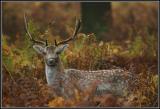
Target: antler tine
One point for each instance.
(31, 38)
(77, 27)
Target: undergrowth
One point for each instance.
(24, 82)
(85, 53)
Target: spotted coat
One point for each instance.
(115, 81)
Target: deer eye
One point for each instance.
(58, 52)
(56, 59)
(45, 53)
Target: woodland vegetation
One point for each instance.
(132, 44)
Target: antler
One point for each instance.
(77, 27)
(31, 38)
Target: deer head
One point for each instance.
(51, 52)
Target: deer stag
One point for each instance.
(115, 80)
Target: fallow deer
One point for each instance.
(115, 80)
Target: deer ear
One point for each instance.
(61, 48)
(39, 49)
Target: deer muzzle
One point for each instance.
(52, 61)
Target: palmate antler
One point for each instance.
(77, 27)
(31, 38)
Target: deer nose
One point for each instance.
(51, 60)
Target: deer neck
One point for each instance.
(52, 72)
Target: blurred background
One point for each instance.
(109, 21)
(113, 34)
